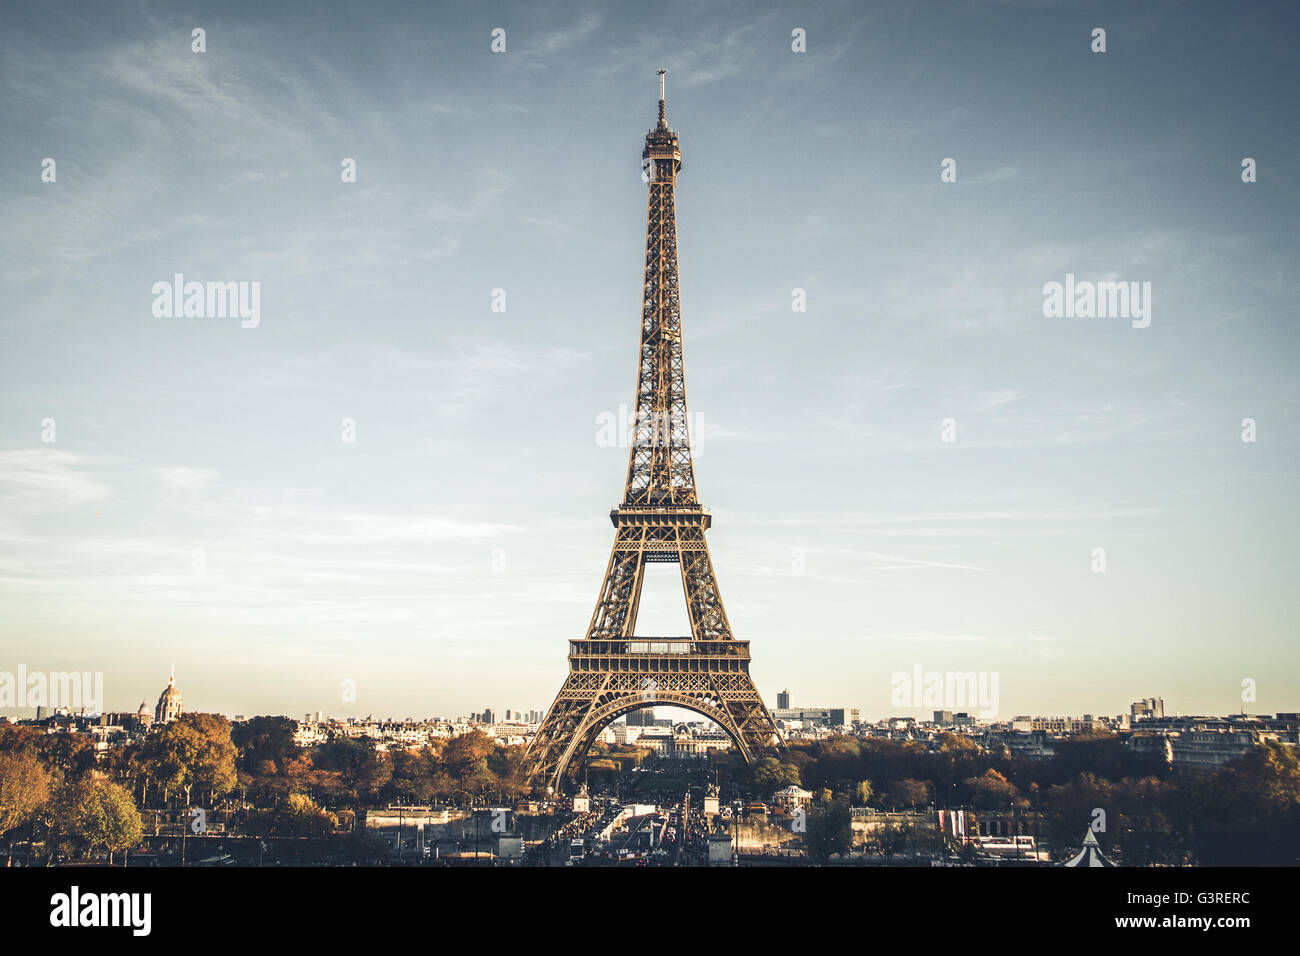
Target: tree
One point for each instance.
(862, 793)
(69, 754)
(301, 775)
(300, 816)
(771, 775)
(478, 780)
(463, 753)
(360, 771)
(1149, 831)
(213, 772)
(830, 829)
(95, 814)
(991, 791)
(836, 762)
(1268, 778)
(507, 764)
(194, 750)
(1070, 811)
(1248, 813)
(24, 790)
(414, 776)
(262, 739)
(890, 838)
(909, 792)
(909, 835)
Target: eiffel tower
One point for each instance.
(611, 672)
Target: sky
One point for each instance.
(914, 472)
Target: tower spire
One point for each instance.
(663, 105)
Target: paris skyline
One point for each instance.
(200, 504)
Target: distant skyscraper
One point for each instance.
(641, 718)
(1147, 707)
(783, 700)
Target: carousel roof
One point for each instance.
(1090, 855)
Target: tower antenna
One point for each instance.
(663, 112)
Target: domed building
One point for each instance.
(143, 716)
(169, 702)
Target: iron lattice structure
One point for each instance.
(611, 672)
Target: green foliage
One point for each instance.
(908, 837)
(92, 814)
(830, 829)
(771, 775)
(297, 816)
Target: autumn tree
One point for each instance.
(360, 771)
(1249, 811)
(193, 751)
(299, 815)
(24, 790)
(910, 793)
(466, 760)
(93, 814)
(991, 791)
(263, 747)
(69, 755)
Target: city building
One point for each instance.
(823, 716)
(642, 718)
(169, 702)
(1147, 707)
